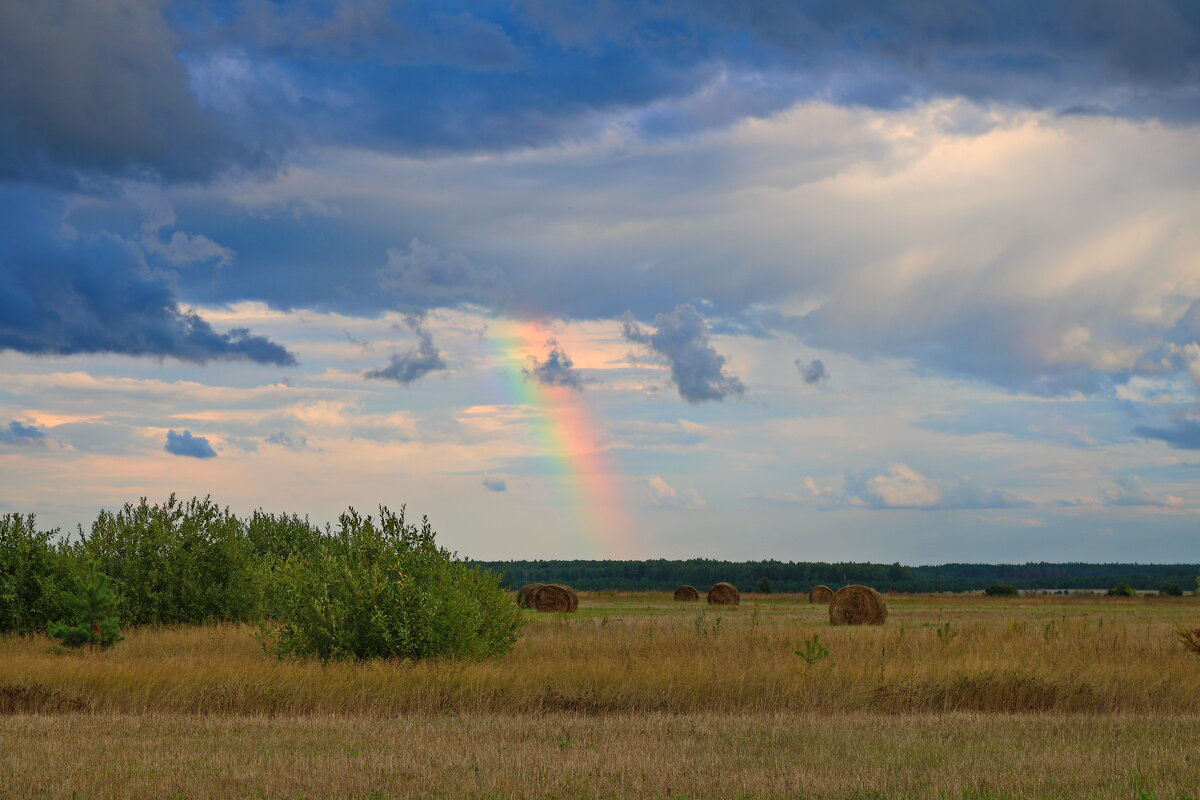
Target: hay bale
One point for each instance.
(524, 592)
(554, 597)
(820, 594)
(724, 594)
(857, 605)
(686, 594)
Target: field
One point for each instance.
(636, 696)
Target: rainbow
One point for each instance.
(564, 434)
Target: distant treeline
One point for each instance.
(790, 576)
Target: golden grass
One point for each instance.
(645, 653)
(613, 756)
(635, 696)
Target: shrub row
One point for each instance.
(367, 587)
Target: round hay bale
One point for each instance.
(857, 605)
(724, 594)
(524, 592)
(686, 594)
(554, 597)
(820, 594)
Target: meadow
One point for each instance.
(635, 696)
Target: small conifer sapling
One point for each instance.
(92, 621)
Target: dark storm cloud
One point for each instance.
(1181, 434)
(95, 85)
(681, 341)
(409, 367)
(812, 372)
(185, 444)
(122, 87)
(416, 78)
(18, 433)
(62, 292)
(557, 369)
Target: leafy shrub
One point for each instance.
(1121, 590)
(377, 590)
(90, 610)
(1170, 590)
(1001, 590)
(176, 562)
(764, 586)
(34, 569)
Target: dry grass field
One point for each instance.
(636, 696)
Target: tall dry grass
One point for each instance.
(774, 755)
(644, 654)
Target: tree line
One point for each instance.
(800, 576)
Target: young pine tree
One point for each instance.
(91, 614)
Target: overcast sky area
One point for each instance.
(908, 281)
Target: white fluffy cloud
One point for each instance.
(664, 494)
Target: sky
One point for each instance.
(910, 281)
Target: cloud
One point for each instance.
(417, 79)
(813, 372)
(19, 433)
(120, 87)
(990, 279)
(664, 495)
(1132, 491)
(284, 439)
(62, 292)
(183, 249)
(185, 444)
(95, 86)
(556, 370)
(1181, 434)
(422, 276)
(495, 484)
(900, 486)
(681, 340)
(415, 364)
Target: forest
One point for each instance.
(800, 576)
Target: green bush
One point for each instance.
(178, 562)
(1121, 590)
(34, 569)
(1170, 590)
(274, 538)
(379, 590)
(1001, 590)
